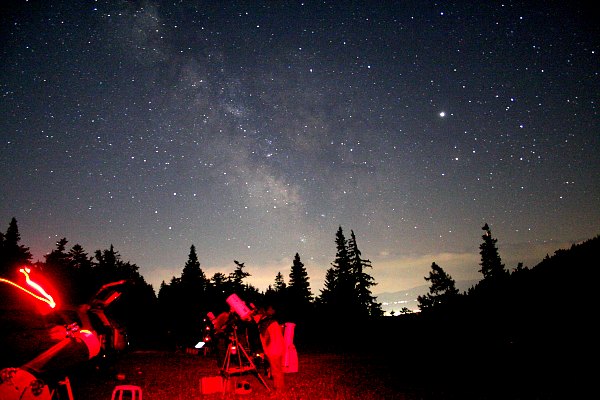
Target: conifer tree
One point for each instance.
(188, 299)
(79, 259)
(442, 290)
(164, 292)
(110, 267)
(81, 266)
(59, 257)
(216, 288)
(326, 298)
(218, 279)
(106, 266)
(219, 282)
(367, 303)
(277, 294)
(192, 275)
(13, 254)
(338, 297)
(169, 302)
(235, 284)
(491, 264)
(237, 276)
(57, 267)
(299, 287)
(280, 285)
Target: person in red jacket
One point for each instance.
(271, 338)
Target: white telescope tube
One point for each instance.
(239, 307)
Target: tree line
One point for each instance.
(177, 310)
(345, 304)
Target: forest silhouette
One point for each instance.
(509, 329)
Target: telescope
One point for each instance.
(239, 307)
(30, 380)
(41, 377)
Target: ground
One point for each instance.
(394, 364)
(177, 375)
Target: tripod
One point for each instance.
(238, 362)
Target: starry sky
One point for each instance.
(254, 129)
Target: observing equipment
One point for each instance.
(45, 377)
(290, 355)
(33, 379)
(237, 361)
(240, 308)
(207, 343)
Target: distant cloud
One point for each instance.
(401, 273)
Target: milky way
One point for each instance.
(253, 130)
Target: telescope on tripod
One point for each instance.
(237, 360)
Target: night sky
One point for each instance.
(253, 130)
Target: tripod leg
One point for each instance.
(225, 366)
(258, 375)
(224, 371)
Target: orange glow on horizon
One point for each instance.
(42, 296)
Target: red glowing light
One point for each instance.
(45, 297)
(41, 293)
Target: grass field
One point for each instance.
(177, 375)
(394, 364)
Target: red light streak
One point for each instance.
(42, 296)
(46, 297)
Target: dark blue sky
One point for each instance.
(254, 129)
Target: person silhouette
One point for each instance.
(271, 338)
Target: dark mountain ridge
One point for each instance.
(528, 334)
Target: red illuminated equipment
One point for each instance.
(238, 362)
(46, 375)
(290, 356)
(30, 381)
(76, 348)
(239, 307)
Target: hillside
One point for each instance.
(549, 282)
(517, 336)
(395, 301)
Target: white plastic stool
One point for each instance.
(127, 392)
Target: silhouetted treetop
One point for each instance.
(491, 263)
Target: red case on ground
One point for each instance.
(211, 384)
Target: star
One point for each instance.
(175, 125)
